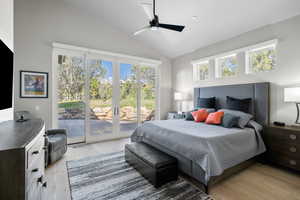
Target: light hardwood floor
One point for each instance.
(258, 182)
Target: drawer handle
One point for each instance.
(45, 184)
(293, 162)
(35, 152)
(293, 149)
(293, 137)
(35, 170)
(40, 179)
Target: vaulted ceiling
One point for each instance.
(215, 20)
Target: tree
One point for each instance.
(98, 86)
(263, 60)
(229, 66)
(94, 88)
(71, 78)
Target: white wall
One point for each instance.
(39, 23)
(6, 22)
(287, 72)
(6, 35)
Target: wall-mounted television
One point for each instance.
(6, 80)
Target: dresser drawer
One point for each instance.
(281, 159)
(287, 149)
(35, 192)
(35, 172)
(277, 135)
(36, 150)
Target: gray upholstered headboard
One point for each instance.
(259, 92)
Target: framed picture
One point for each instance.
(33, 84)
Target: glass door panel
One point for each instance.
(128, 113)
(101, 112)
(148, 91)
(97, 98)
(71, 96)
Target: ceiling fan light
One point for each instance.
(154, 28)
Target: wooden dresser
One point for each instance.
(283, 146)
(22, 160)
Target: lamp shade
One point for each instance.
(292, 94)
(178, 96)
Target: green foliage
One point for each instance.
(94, 88)
(72, 105)
(147, 75)
(72, 81)
(71, 78)
(263, 60)
(229, 66)
(203, 68)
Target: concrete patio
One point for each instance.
(75, 127)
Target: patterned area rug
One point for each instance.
(109, 177)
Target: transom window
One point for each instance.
(261, 59)
(226, 66)
(200, 71)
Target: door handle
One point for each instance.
(35, 152)
(114, 111)
(35, 170)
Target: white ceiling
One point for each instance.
(217, 19)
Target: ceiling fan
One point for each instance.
(154, 23)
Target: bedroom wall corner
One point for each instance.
(285, 74)
(166, 92)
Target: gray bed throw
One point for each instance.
(213, 148)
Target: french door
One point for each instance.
(100, 97)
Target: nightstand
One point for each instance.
(175, 115)
(283, 146)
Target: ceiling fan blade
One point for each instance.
(178, 28)
(148, 10)
(142, 30)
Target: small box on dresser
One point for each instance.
(283, 146)
(22, 160)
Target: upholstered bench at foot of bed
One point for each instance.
(157, 167)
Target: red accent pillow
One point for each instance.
(200, 115)
(215, 118)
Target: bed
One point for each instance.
(209, 153)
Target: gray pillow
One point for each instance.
(189, 116)
(209, 110)
(244, 117)
(230, 121)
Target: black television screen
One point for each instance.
(6, 80)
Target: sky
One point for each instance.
(125, 70)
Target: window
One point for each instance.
(148, 92)
(101, 95)
(261, 59)
(200, 71)
(251, 59)
(226, 66)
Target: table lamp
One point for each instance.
(178, 97)
(293, 95)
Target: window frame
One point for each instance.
(196, 70)
(259, 47)
(242, 60)
(218, 69)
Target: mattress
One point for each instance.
(213, 148)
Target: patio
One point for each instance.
(75, 127)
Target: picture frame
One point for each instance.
(33, 84)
